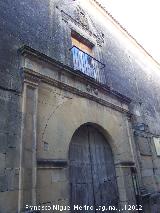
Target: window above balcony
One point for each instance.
(83, 60)
(82, 46)
(82, 43)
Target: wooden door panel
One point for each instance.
(80, 170)
(104, 177)
(92, 171)
(82, 194)
(80, 173)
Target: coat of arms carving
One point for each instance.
(81, 17)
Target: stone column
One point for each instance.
(127, 193)
(28, 159)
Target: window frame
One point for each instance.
(84, 43)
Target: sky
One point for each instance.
(141, 19)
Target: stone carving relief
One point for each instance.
(81, 20)
(91, 89)
(81, 17)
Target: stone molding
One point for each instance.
(51, 163)
(73, 90)
(28, 51)
(94, 90)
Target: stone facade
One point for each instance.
(60, 101)
(43, 101)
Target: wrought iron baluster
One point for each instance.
(88, 65)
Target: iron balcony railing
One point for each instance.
(88, 65)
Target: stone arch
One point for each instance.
(92, 174)
(73, 113)
(76, 112)
(104, 132)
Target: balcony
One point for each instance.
(88, 65)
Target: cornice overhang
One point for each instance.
(94, 91)
(28, 51)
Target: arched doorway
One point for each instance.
(92, 171)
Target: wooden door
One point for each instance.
(92, 171)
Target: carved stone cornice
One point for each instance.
(76, 91)
(31, 80)
(28, 51)
(91, 89)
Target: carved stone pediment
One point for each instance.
(84, 22)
